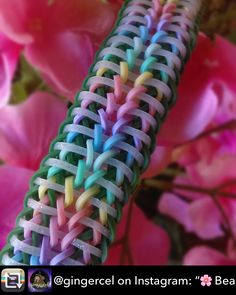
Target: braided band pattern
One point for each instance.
(76, 198)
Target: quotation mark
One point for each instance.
(205, 280)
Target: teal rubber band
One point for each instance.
(107, 57)
(90, 181)
(130, 58)
(147, 63)
(164, 77)
(53, 171)
(89, 158)
(110, 198)
(62, 155)
(101, 159)
(80, 174)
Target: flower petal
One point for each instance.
(206, 219)
(177, 209)
(186, 191)
(9, 54)
(14, 182)
(26, 21)
(26, 130)
(227, 103)
(149, 243)
(209, 175)
(64, 60)
(194, 110)
(198, 98)
(206, 256)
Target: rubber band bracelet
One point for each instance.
(76, 197)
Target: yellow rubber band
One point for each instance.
(124, 71)
(84, 197)
(69, 190)
(143, 78)
(101, 71)
(43, 189)
(103, 214)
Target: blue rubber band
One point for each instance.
(34, 260)
(97, 137)
(143, 33)
(18, 257)
(113, 140)
(71, 136)
(175, 50)
(158, 36)
(129, 160)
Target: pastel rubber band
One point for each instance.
(75, 199)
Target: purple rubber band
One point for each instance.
(44, 251)
(62, 256)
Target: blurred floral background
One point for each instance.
(184, 210)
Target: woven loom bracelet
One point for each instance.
(76, 197)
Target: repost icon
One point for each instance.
(13, 280)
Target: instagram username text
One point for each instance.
(135, 281)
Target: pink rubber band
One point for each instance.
(76, 217)
(69, 237)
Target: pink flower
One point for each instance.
(197, 212)
(206, 280)
(14, 182)
(26, 130)
(9, 54)
(199, 102)
(209, 164)
(146, 243)
(210, 161)
(203, 255)
(198, 99)
(60, 36)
